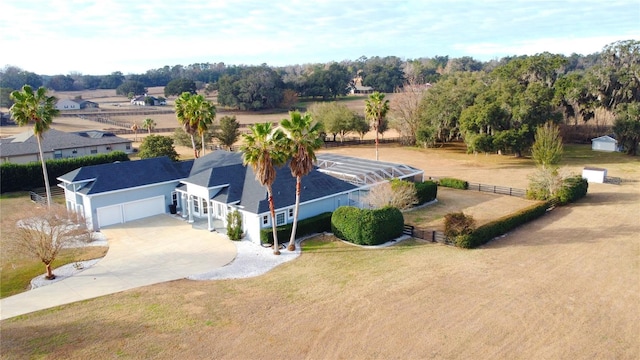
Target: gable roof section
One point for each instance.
(26, 143)
(606, 138)
(127, 174)
(223, 168)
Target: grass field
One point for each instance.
(566, 286)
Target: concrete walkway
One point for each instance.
(143, 252)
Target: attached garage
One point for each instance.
(129, 211)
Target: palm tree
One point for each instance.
(376, 108)
(36, 107)
(148, 124)
(205, 113)
(186, 118)
(304, 136)
(264, 149)
(135, 129)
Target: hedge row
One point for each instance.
(454, 183)
(17, 177)
(574, 188)
(485, 233)
(426, 191)
(316, 224)
(367, 227)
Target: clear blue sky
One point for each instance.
(133, 36)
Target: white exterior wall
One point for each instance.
(603, 145)
(67, 104)
(594, 175)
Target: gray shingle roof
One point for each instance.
(128, 174)
(221, 168)
(25, 143)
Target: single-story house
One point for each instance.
(145, 100)
(76, 104)
(360, 89)
(23, 148)
(605, 143)
(205, 190)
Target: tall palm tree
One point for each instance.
(186, 118)
(36, 107)
(304, 136)
(135, 129)
(376, 108)
(264, 149)
(205, 114)
(148, 124)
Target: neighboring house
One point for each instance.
(145, 100)
(68, 104)
(23, 148)
(359, 89)
(216, 184)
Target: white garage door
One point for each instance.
(109, 215)
(117, 214)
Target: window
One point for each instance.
(108, 147)
(196, 205)
(174, 198)
(75, 151)
(128, 147)
(57, 154)
(205, 206)
(265, 220)
(94, 150)
(280, 219)
(291, 213)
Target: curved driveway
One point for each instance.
(142, 252)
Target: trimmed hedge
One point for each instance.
(426, 191)
(315, 224)
(487, 232)
(574, 188)
(454, 183)
(367, 227)
(17, 177)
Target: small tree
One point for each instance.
(45, 232)
(234, 225)
(396, 193)
(135, 129)
(229, 131)
(547, 148)
(158, 145)
(457, 224)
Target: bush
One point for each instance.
(456, 224)
(487, 232)
(367, 227)
(426, 191)
(315, 224)
(234, 225)
(454, 183)
(574, 188)
(17, 177)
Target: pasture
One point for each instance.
(564, 286)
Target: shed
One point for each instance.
(605, 143)
(594, 175)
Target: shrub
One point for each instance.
(426, 191)
(456, 224)
(315, 224)
(574, 188)
(485, 233)
(367, 227)
(454, 183)
(234, 225)
(16, 177)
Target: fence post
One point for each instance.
(433, 236)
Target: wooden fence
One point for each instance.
(426, 234)
(502, 190)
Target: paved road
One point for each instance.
(143, 252)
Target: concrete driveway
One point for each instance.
(142, 252)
